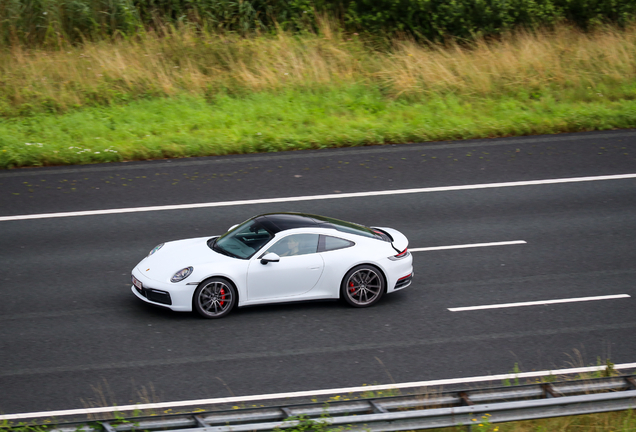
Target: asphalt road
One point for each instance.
(72, 335)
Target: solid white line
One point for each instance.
(539, 303)
(316, 197)
(345, 390)
(472, 245)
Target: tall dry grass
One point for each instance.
(185, 60)
(564, 57)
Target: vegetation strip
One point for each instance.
(57, 23)
(191, 93)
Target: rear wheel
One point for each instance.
(214, 298)
(363, 286)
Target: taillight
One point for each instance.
(401, 255)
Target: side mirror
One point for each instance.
(232, 227)
(269, 257)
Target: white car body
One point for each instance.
(308, 276)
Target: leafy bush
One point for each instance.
(55, 22)
(440, 19)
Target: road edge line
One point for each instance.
(273, 396)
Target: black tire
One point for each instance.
(363, 286)
(214, 298)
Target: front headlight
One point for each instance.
(156, 248)
(181, 274)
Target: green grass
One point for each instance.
(621, 421)
(188, 93)
(355, 115)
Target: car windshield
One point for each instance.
(243, 241)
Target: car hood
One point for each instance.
(176, 255)
(400, 242)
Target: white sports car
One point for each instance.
(273, 258)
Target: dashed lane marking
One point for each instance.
(471, 245)
(539, 303)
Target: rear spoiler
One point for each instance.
(398, 240)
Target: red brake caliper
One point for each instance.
(222, 296)
(351, 288)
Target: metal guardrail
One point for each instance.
(398, 413)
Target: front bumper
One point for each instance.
(177, 297)
(152, 294)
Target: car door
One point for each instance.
(297, 272)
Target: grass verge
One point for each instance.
(193, 93)
(621, 421)
(189, 125)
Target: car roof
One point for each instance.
(277, 222)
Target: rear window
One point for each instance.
(329, 243)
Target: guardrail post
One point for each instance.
(548, 391)
(465, 400)
(107, 427)
(200, 421)
(377, 408)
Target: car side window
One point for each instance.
(295, 244)
(329, 243)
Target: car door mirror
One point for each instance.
(232, 227)
(269, 257)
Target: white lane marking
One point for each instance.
(345, 390)
(316, 197)
(471, 245)
(539, 303)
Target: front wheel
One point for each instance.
(214, 298)
(363, 286)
